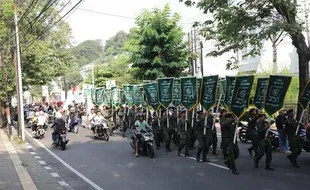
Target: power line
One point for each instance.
(51, 13)
(72, 9)
(32, 5)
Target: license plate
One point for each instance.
(63, 135)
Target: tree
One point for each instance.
(87, 51)
(73, 76)
(156, 45)
(238, 25)
(117, 69)
(44, 50)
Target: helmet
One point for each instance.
(69, 106)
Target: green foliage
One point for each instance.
(44, 50)
(156, 45)
(87, 51)
(118, 70)
(73, 76)
(115, 45)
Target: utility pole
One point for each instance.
(18, 73)
(201, 58)
(189, 53)
(307, 23)
(192, 53)
(195, 51)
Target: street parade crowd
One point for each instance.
(184, 126)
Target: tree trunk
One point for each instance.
(303, 52)
(274, 55)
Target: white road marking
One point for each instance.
(37, 157)
(33, 153)
(55, 174)
(42, 162)
(63, 183)
(94, 185)
(22, 173)
(29, 146)
(47, 168)
(209, 163)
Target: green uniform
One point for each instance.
(264, 144)
(214, 137)
(232, 148)
(168, 132)
(294, 140)
(157, 131)
(184, 140)
(131, 117)
(204, 139)
(224, 149)
(122, 121)
(191, 132)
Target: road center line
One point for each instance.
(94, 185)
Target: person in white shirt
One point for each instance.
(90, 116)
(98, 119)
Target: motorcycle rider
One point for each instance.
(73, 118)
(98, 119)
(59, 125)
(140, 126)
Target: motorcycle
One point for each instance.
(102, 131)
(61, 140)
(146, 146)
(305, 143)
(39, 132)
(242, 134)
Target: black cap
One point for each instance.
(261, 115)
(182, 111)
(222, 111)
(253, 109)
(199, 111)
(229, 115)
(290, 111)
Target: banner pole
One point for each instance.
(167, 114)
(125, 111)
(178, 114)
(205, 123)
(158, 118)
(300, 120)
(193, 117)
(186, 118)
(147, 114)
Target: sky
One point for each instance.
(93, 19)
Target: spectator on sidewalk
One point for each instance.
(280, 124)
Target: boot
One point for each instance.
(268, 167)
(296, 165)
(255, 163)
(204, 159)
(250, 151)
(289, 157)
(179, 152)
(227, 164)
(234, 170)
(198, 154)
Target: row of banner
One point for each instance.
(191, 91)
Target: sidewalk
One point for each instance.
(13, 175)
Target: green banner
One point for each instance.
(305, 96)
(165, 91)
(116, 97)
(107, 97)
(151, 92)
(137, 96)
(208, 92)
(189, 92)
(99, 96)
(93, 95)
(277, 88)
(122, 97)
(241, 95)
(229, 89)
(260, 93)
(129, 92)
(176, 93)
(199, 86)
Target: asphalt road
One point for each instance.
(96, 164)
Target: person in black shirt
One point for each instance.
(251, 131)
(280, 124)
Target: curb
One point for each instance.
(23, 175)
